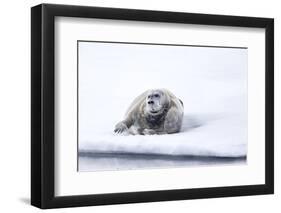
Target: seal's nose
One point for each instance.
(150, 102)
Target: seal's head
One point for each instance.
(156, 102)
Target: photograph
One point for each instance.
(138, 105)
(152, 106)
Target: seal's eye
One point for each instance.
(149, 96)
(156, 95)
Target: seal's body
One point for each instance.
(153, 112)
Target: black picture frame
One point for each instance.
(43, 101)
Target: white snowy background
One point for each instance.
(212, 83)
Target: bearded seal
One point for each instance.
(156, 111)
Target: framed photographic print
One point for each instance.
(140, 106)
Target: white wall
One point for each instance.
(15, 105)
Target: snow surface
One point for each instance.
(212, 83)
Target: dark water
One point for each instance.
(126, 161)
